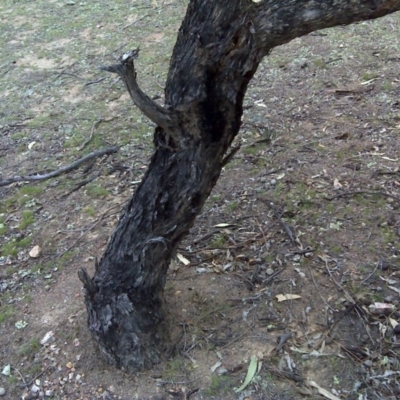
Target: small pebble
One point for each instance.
(368, 363)
(222, 371)
(2, 391)
(269, 271)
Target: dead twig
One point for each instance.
(287, 375)
(318, 291)
(26, 384)
(69, 74)
(22, 378)
(87, 141)
(340, 287)
(342, 314)
(370, 275)
(229, 157)
(134, 22)
(285, 226)
(283, 339)
(80, 184)
(235, 339)
(345, 194)
(262, 291)
(63, 70)
(94, 82)
(60, 171)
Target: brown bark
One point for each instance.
(219, 47)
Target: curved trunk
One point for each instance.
(208, 77)
(220, 44)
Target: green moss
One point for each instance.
(25, 242)
(31, 190)
(3, 228)
(368, 75)
(9, 248)
(173, 368)
(330, 207)
(12, 380)
(27, 219)
(320, 63)
(6, 312)
(216, 198)
(218, 241)
(232, 206)
(90, 211)
(220, 385)
(36, 268)
(39, 121)
(387, 85)
(251, 150)
(96, 191)
(30, 348)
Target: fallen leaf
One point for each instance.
(284, 297)
(280, 176)
(389, 281)
(183, 259)
(393, 322)
(21, 324)
(336, 184)
(396, 289)
(47, 337)
(368, 82)
(223, 225)
(323, 391)
(250, 374)
(390, 159)
(6, 370)
(215, 366)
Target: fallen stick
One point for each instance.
(60, 171)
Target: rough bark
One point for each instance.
(219, 47)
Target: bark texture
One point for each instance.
(219, 47)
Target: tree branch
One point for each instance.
(57, 172)
(159, 115)
(278, 21)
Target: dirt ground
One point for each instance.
(296, 247)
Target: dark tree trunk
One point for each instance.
(219, 47)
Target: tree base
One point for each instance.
(132, 335)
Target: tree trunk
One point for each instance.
(219, 47)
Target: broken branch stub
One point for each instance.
(162, 117)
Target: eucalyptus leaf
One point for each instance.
(250, 373)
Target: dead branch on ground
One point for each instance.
(60, 171)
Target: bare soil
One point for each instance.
(309, 208)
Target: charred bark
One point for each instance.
(219, 47)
